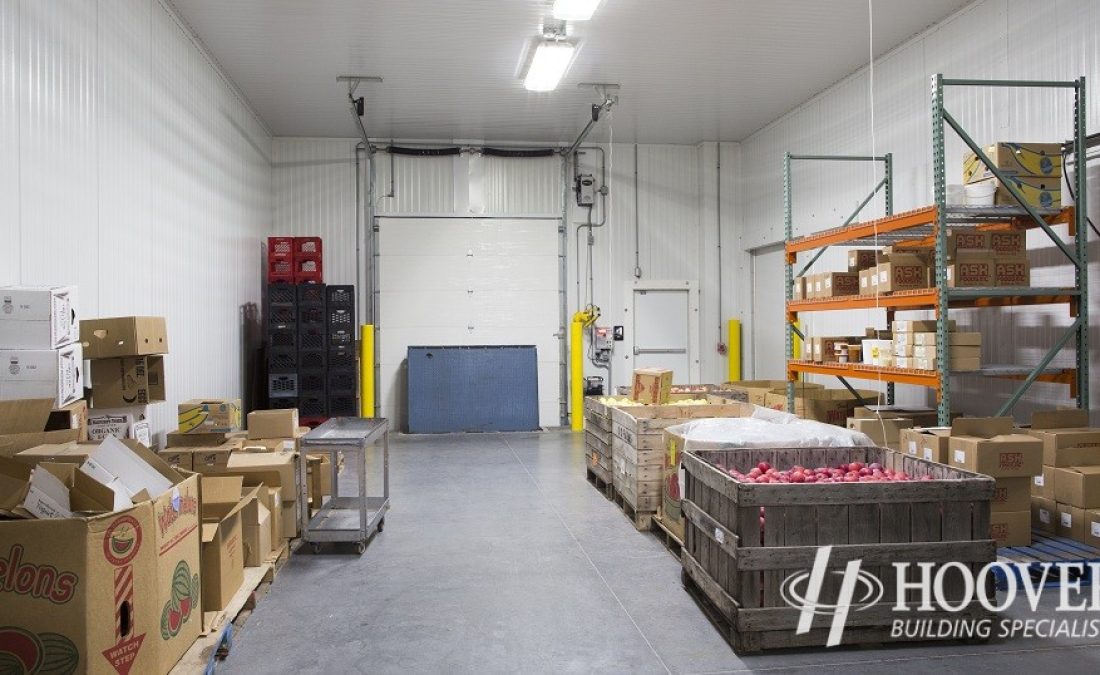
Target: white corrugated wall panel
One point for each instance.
(993, 39)
(522, 187)
(136, 172)
(420, 185)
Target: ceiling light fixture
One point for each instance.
(575, 10)
(548, 65)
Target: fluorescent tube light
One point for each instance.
(548, 65)
(575, 10)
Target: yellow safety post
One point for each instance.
(366, 370)
(733, 350)
(581, 320)
(796, 344)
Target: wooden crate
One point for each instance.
(637, 450)
(737, 562)
(598, 452)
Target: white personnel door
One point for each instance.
(662, 320)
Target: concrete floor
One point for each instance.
(498, 557)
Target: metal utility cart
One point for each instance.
(346, 519)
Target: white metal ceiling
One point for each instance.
(690, 70)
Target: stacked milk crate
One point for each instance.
(40, 351)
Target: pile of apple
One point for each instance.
(854, 472)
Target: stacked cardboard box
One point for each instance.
(127, 374)
(987, 259)
(915, 346)
(40, 351)
(1066, 495)
(110, 535)
(994, 447)
(652, 386)
(1035, 169)
(832, 406)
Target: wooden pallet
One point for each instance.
(673, 543)
(643, 521)
(1051, 552)
(604, 486)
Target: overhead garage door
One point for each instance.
(462, 281)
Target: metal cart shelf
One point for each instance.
(342, 518)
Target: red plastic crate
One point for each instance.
(280, 247)
(309, 268)
(280, 267)
(307, 246)
(312, 422)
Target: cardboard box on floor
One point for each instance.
(1078, 486)
(928, 443)
(42, 373)
(1092, 528)
(222, 539)
(121, 336)
(38, 317)
(255, 527)
(1067, 438)
(202, 459)
(272, 423)
(22, 425)
(73, 416)
(991, 445)
(1042, 484)
(147, 555)
(277, 470)
(211, 439)
(1011, 494)
(1044, 514)
(652, 386)
(884, 432)
(209, 415)
(121, 423)
(1010, 528)
(1070, 522)
(128, 381)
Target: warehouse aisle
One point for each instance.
(499, 557)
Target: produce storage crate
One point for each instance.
(311, 382)
(311, 359)
(343, 406)
(308, 269)
(282, 294)
(343, 381)
(312, 337)
(341, 296)
(282, 385)
(311, 315)
(311, 294)
(341, 337)
(312, 406)
(280, 269)
(282, 403)
(598, 451)
(282, 316)
(342, 358)
(744, 539)
(637, 451)
(282, 338)
(282, 360)
(307, 246)
(341, 318)
(280, 248)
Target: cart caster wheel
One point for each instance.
(316, 547)
(360, 547)
(381, 524)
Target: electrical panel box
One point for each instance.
(586, 190)
(602, 338)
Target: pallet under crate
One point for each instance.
(736, 557)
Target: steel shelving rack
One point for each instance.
(924, 227)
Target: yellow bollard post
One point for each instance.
(576, 372)
(733, 350)
(366, 370)
(796, 344)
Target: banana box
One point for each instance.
(1015, 159)
(210, 416)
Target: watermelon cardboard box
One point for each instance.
(98, 590)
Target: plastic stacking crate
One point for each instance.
(308, 269)
(311, 315)
(311, 294)
(312, 359)
(311, 382)
(343, 381)
(343, 406)
(342, 358)
(281, 270)
(341, 337)
(280, 248)
(282, 338)
(282, 294)
(282, 385)
(312, 337)
(341, 296)
(282, 316)
(282, 360)
(307, 246)
(312, 406)
(341, 318)
(282, 403)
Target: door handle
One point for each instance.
(643, 350)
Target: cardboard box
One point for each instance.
(272, 423)
(990, 445)
(38, 317)
(961, 242)
(196, 439)
(920, 416)
(120, 423)
(860, 259)
(121, 336)
(1042, 192)
(1013, 159)
(209, 415)
(1042, 484)
(1008, 243)
(1011, 272)
(883, 432)
(207, 460)
(1010, 528)
(652, 386)
(1011, 494)
(824, 348)
(22, 425)
(902, 273)
(1092, 528)
(1078, 486)
(42, 373)
(290, 518)
(755, 391)
(1070, 522)
(840, 284)
(147, 555)
(816, 286)
(868, 281)
(271, 499)
(832, 406)
(933, 444)
(971, 272)
(129, 381)
(903, 351)
(1044, 514)
(798, 290)
(60, 453)
(1067, 438)
(320, 477)
(273, 469)
(73, 416)
(956, 339)
(222, 540)
(255, 527)
(923, 326)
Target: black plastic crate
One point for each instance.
(343, 381)
(311, 315)
(312, 337)
(342, 358)
(311, 359)
(312, 406)
(279, 316)
(282, 360)
(341, 338)
(343, 406)
(282, 294)
(282, 385)
(311, 294)
(341, 318)
(341, 296)
(282, 338)
(311, 381)
(283, 403)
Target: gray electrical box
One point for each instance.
(586, 190)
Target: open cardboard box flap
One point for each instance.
(24, 416)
